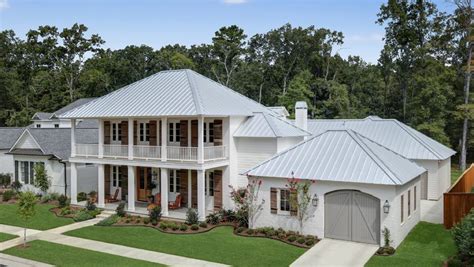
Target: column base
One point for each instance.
(101, 206)
(73, 202)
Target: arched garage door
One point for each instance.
(352, 215)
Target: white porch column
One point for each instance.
(164, 139)
(200, 139)
(190, 190)
(73, 137)
(201, 198)
(130, 139)
(131, 188)
(101, 187)
(164, 191)
(73, 183)
(101, 138)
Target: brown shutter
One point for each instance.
(293, 207)
(153, 134)
(218, 132)
(106, 132)
(194, 133)
(135, 132)
(183, 128)
(183, 181)
(107, 180)
(194, 188)
(124, 129)
(124, 178)
(273, 200)
(159, 133)
(217, 189)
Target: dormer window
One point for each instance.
(38, 125)
(56, 125)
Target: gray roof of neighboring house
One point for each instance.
(280, 110)
(169, 93)
(390, 133)
(268, 125)
(340, 155)
(8, 136)
(72, 106)
(42, 116)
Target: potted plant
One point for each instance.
(386, 250)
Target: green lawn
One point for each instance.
(5, 237)
(43, 220)
(61, 255)
(218, 245)
(426, 245)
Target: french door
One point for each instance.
(144, 176)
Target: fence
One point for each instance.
(459, 199)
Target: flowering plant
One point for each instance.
(247, 201)
(300, 198)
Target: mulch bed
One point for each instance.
(57, 212)
(316, 240)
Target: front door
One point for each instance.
(143, 183)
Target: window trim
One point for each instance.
(116, 132)
(402, 218)
(409, 203)
(26, 170)
(209, 184)
(116, 176)
(174, 181)
(414, 198)
(56, 125)
(279, 210)
(174, 132)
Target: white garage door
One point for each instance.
(352, 215)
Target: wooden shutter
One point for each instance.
(16, 171)
(153, 133)
(107, 179)
(217, 189)
(194, 188)
(194, 133)
(273, 200)
(124, 177)
(183, 128)
(183, 181)
(135, 133)
(124, 129)
(293, 208)
(218, 132)
(159, 133)
(106, 132)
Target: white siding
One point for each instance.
(286, 142)
(252, 151)
(26, 142)
(230, 175)
(445, 174)
(434, 188)
(401, 230)
(7, 164)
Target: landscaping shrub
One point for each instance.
(146, 220)
(227, 215)
(109, 221)
(82, 215)
(63, 201)
(183, 227)
(163, 226)
(281, 235)
(155, 215)
(240, 230)
(8, 194)
(463, 234)
(309, 242)
(66, 211)
(242, 218)
(194, 227)
(94, 212)
(120, 210)
(203, 225)
(192, 216)
(16, 185)
(301, 240)
(250, 231)
(174, 226)
(127, 221)
(213, 218)
(90, 205)
(82, 196)
(292, 238)
(138, 220)
(5, 179)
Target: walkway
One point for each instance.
(12, 261)
(56, 236)
(432, 211)
(330, 252)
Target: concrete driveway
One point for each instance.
(331, 252)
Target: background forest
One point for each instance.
(419, 79)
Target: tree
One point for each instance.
(300, 197)
(26, 209)
(247, 201)
(42, 179)
(299, 89)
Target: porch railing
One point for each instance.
(116, 151)
(215, 152)
(147, 152)
(87, 150)
(182, 153)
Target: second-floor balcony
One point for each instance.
(172, 153)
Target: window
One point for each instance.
(144, 132)
(56, 125)
(174, 132)
(209, 185)
(174, 181)
(208, 135)
(177, 132)
(116, 176)
(171, 132)
(409, 203)
(211, 132)
(204, 136)
(414, 198)
(401, 208)
(38, 125)
(27, 171)
(284, 200)
(116, 131)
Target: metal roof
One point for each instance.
(71, 106)
(390, 133)
(280, 110)
(8, 136)
(340, 155)
(169, 93)
(41, 116)
(268, 125)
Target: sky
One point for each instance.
(187, 22)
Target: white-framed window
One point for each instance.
(174, 181)
(283, 200)
(174, 132)
(401, 209)
(116, 131)
(27, 171)
(414, 198)
(144, 131)
(38, 125)
(209, 184)
(409, 203)
(208, 135)
(116, 176)
(56, 125)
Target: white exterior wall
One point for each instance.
(7, 164)
(315, 225)
(230, 175)
(252, 151)
(284, 143)
(400, 230)
(439, 176)
(445, 174)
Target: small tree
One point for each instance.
(42, 180)
(300, 198)
(247, 201)
(5, 179)
(26, 209)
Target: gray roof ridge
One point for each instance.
(288, 123)
(270, 124)
(194, 92)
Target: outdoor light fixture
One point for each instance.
(315, 200)
(386, 206)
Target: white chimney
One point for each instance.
(301, 115)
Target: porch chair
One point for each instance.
(176, 204)
(156, 203)
(113, 199)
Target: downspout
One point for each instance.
(65, 178)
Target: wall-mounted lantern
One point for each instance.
(386, 207)
(315, 200)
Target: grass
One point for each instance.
(455, 173)
(62, 255)
(43, 220)
(218, 245)
(426, 245)
(5, 237)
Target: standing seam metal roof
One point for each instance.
(268, 125)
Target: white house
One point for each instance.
(51, 120)
(8, 136)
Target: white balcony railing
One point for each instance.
(182, 153)
(215, 152)
(87, 150)
(147, 152)
(116, 151)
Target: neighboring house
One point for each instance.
(51, 120)
(8, 136)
